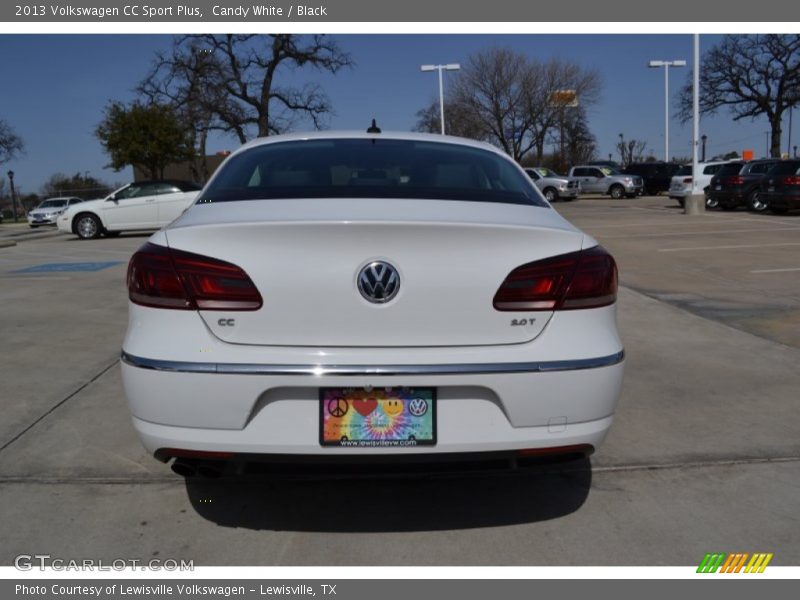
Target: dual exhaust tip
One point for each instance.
(193, 468)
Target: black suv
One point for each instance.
(780, 188)
(655, 175)
(738, 184)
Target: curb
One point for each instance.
(7, 243)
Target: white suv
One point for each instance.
(681, 185)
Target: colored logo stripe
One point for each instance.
(734, 562)
(758, 563)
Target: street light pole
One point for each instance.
(13, 194)
(655, 64)
(440, 68)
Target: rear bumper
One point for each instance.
(788, 201)
(188, 390)
(274, 409)
(728, 197)
(679, 194)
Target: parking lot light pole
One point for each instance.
(440, 68)
(695, 203)
(13, 195)
(657, 64)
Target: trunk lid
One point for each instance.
(305, 257)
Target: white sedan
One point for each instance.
(335, 296)
(137, 206)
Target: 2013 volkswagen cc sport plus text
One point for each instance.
(333, 296)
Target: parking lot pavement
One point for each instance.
(704, 453)
(736, 267)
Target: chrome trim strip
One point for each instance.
(383, 370)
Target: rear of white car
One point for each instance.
(346, 295)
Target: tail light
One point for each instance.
(687, 180)
(584, 279)
(793, 180)
(735, 180)
(167, 278)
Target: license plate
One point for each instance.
(771, 189)
(395, 417)
(719, 187)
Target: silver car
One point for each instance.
(552, 185)
(47, 212)
(607, 181)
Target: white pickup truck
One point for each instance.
(607, 181)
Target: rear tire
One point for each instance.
(753, 202)
(616, 192)
(33, 226)
(550, 194)
(87, 226)
(711, 203)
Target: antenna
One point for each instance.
(373, 128)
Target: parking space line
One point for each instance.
(727, 247)
(776, 270)
(651, 224)
(715, 232)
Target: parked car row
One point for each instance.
(583, 179)
(759, 185)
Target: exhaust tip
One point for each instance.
(184, 468)
(210, 470)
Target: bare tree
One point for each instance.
(245, 69)
(751, 75)
(554, 82)
(11, 145)
(577, 144)
(183, 79)
(508, 99)
(631, 151)
(458, 120)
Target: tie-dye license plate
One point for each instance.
(397, 417)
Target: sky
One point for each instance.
(53, 89)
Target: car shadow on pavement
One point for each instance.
(393, 504)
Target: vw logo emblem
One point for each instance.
(378, 282)
(418, 407)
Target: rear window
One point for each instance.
(730, 169)
(371, 168)
(758, 167)
(785, 168)
(684, 170)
